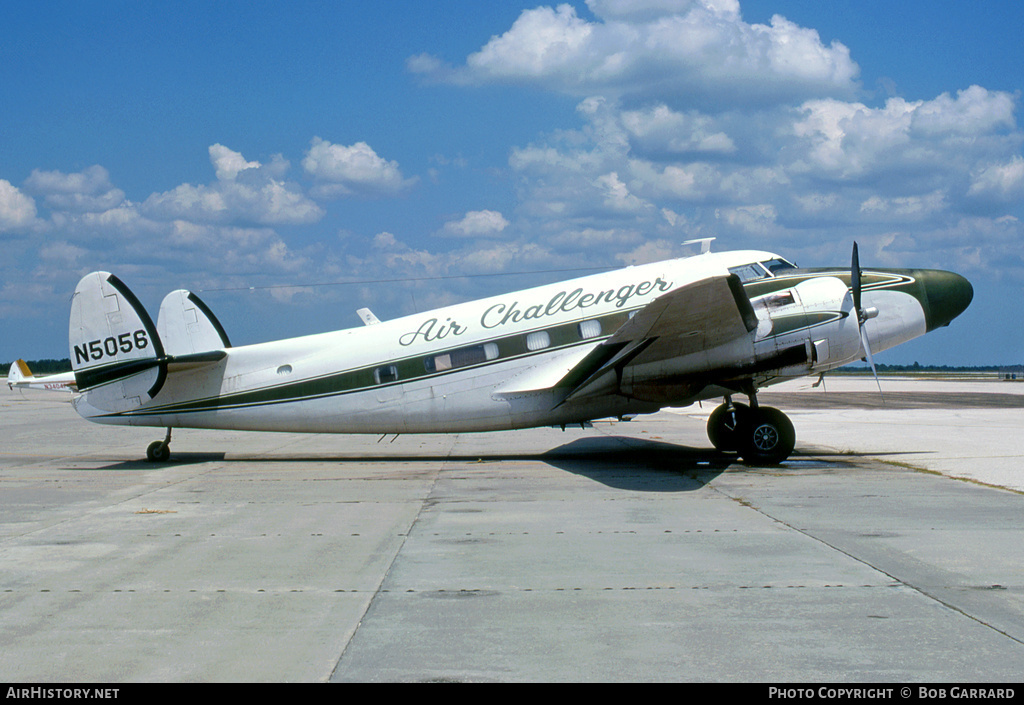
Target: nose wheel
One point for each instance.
(761, 435)
(160, 451)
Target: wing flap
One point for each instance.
(545, 376)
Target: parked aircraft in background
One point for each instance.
(21, 376)
(630, 341)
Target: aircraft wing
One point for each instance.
(695, 317)
(688, 320)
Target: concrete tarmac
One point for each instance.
(888, 548)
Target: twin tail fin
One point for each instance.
(119, 357)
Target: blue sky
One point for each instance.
(261, 153)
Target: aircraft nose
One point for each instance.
(946, 296)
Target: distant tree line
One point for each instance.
(918, 367)
(41, 367)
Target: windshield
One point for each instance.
(761, 270)
(777, 265)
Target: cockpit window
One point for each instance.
(777, 265)
(749, 272)
(761, 270)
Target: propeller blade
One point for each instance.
(862, 315)
(855, 281)
(871, 360)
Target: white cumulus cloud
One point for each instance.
(244, 191)
(650, 9)
(16, 209)
(485, 224)
(1002, 182)
(229, 163)
(87, 191)
(692, 51)
(357, 169)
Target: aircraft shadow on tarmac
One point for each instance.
(639, 464)
(619, 462)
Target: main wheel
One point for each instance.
(723, 426)
(767, 438)
(158, 452)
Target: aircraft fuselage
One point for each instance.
(522, 359)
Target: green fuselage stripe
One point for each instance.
(562, 337)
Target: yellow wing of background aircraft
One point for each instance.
(630, 341)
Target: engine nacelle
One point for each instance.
(816, 315)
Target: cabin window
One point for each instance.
(385, 374)
(589, 329)
(538, 340)
(462, 357)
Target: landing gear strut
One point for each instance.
(762, 435)
(160, 451)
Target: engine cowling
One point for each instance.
(815, 314)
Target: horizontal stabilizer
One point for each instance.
(177, 363)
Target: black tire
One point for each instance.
(723, 430)
(158, 452)
(768, 438)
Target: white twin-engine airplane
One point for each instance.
(625, 342)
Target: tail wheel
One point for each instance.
(768, 437)
(724, 426)
(158, 452)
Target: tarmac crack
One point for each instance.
(927, 574)
(379, 589)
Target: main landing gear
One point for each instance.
(761, 435)
(160, 451)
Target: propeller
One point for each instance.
(863, 314)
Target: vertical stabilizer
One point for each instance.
(186, 325)
(116, 353)
(19, 372)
